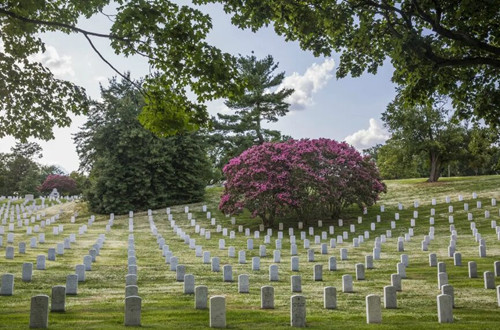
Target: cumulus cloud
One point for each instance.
(59, 65)
(306, 85)
(366, 138)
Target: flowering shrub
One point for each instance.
(64, 184)
(299, 178)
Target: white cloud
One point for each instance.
(366, 138)
(59, 65)
(314, 79)
(101, 79)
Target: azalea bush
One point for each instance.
(65, 185)
(299, 178)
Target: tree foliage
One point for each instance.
(81, 181)
(425, 128)
(20, 174)
(395, 162)
(64, 184)
(447, 46)
(483, 150)
(171, 37)
(129, 167)
(304, 178)
(260, 102)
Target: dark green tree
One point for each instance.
(428, 129)
(20, 173)
(259, 103)
(482, 147)
(129, 167)
(448, 46)
(81, 181)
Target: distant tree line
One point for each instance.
(21, 174)
(428, 141)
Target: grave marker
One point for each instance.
(489, 280)
(7, 286)
(72, 284)
(445, 309)
(40, 262)
(39, 312)
(273, 273)
(27, 272)
(243, 283)
(188, 283)
(390, 297)
(200, 297)
(298, 311)
(330, 297)
(133, 311)
(373, 309)
(347, 283)
(267, 297)
(296, 283)
(58, 301)
(80, 272)
(217, 312)
(227, 271)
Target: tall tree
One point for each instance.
(257, 103)
(129, 167)
(448, 46)
(169, 36)
(425, 128)
(261, 102)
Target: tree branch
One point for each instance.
(86, 34)
(139, 88)
(458, 36)
(457, 62)
(62, 25)
(384, 9)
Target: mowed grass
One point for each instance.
(100, 300)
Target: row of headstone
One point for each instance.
(243, 281)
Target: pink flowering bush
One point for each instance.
(299, 178)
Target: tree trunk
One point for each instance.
(267, 221)
(435, 167)
(258, 129)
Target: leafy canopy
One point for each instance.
(130, 168)
(20, 174)
(446, 46)
(171, 37)
(425, 128)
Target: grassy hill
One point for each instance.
(100, 302)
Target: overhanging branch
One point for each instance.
(139, 88)
(63, 26)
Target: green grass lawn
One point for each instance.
(100, 300)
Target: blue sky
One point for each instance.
(347, 109)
